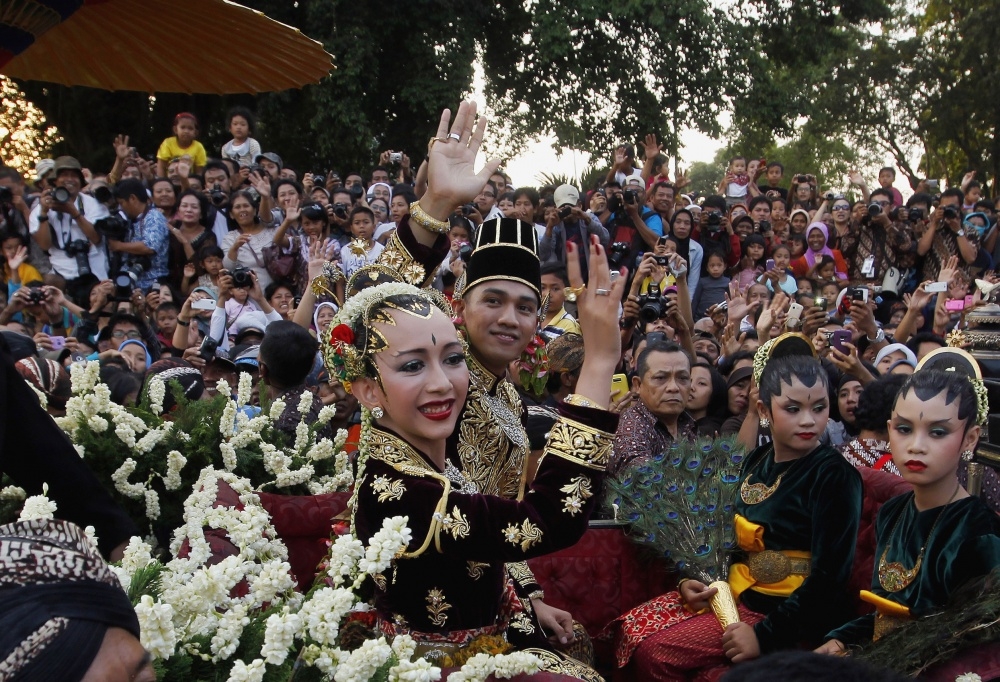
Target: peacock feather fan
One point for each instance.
(681, 503)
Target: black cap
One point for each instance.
(506, 249)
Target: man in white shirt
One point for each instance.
(66, 229)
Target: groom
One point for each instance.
(499, 310)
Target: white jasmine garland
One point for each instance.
(38, 506)
(12, 493)
(969, 677)
(392, 538)
(120, 479)
(481, 666)
(364, 661)
(241, 672)
(280, 632)
(152, 504)
(227, 422)
(277, 408)
(222, 388)
(327, 413)
(156, 627)
(43, 399)
(157, 392)
(244, 389)
(91, 534)
(420, 670)
(228, 456)
(305, 402)
(226, 639)
(98, 424)
(301, 436)
(149, 441)
(175, 462)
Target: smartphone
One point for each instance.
(839, 339)
(614, 274)
(954, 305)
(936, 287)
(204, 304)
(859, 294)
(662, 240)
(794, 311)
(820, 303)
(619, 386)
(58, 342)
(769, 265)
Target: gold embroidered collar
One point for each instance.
(480, 376)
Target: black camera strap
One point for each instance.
(65, 231)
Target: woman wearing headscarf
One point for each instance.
(681, 224)
(817, 236)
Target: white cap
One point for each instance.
(566, 194)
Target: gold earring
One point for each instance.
(967, 456)
(765, 422)
(378, 412)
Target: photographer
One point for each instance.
(339, 210)
(62, 223)
(140, 249)
(882, 240)
(568, 223)
(945, 236)
(239, 277)
(662, 203)
(715, 230)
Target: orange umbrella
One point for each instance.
(190, 46)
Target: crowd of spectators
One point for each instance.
(194, 256)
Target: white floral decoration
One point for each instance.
(157, 392)
(38, 506)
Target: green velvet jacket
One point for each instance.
(965, 545)
(816, 508)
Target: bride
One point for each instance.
(397, 348)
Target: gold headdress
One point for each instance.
(789, 343)
(367, 304)
(949, 359)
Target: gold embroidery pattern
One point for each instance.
(492, 443)
(400, 620)
(475, 569)
(521, 573)
(456, 523)
(527, 535)
(554, 663)
(580, 444)
(388, 489)
(577, 492)
(396, 256)
(522, 623)
(436, 606)
(379, 581)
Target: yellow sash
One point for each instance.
(884, 606)
(750, 538)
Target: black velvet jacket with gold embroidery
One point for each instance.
(452, 577)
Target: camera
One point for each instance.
(112, 227)
(60, 195)
(714, 221)
(257, 168)
(465, 252)
(631, 196)
(662, 261)
(615, 203)
(242, 278)
(319, 180)
(950, 212)
(356, 190)
(127, 280)
(340, 210)
(801, 178)
(915, 214)
(79, 249)
(830, 196)
(874, 209)
(468, 209)
(208, 348)
(36, 296)
(617, 254)
(652, 306)
(395, 157)
(6, 195)
(217, 196)
(565, 212)
(765, 225)
(103, 194)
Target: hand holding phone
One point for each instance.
(936, 287)
(840, 338)
(619, 386)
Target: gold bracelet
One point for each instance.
(429, 223)
(581, 401)
(537, 594)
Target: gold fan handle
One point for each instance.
(724, 605)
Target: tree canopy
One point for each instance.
(843, 79)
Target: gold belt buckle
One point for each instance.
(769, 566)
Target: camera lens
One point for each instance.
(60, 195)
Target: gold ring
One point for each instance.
(573, 292)
(430, 143)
